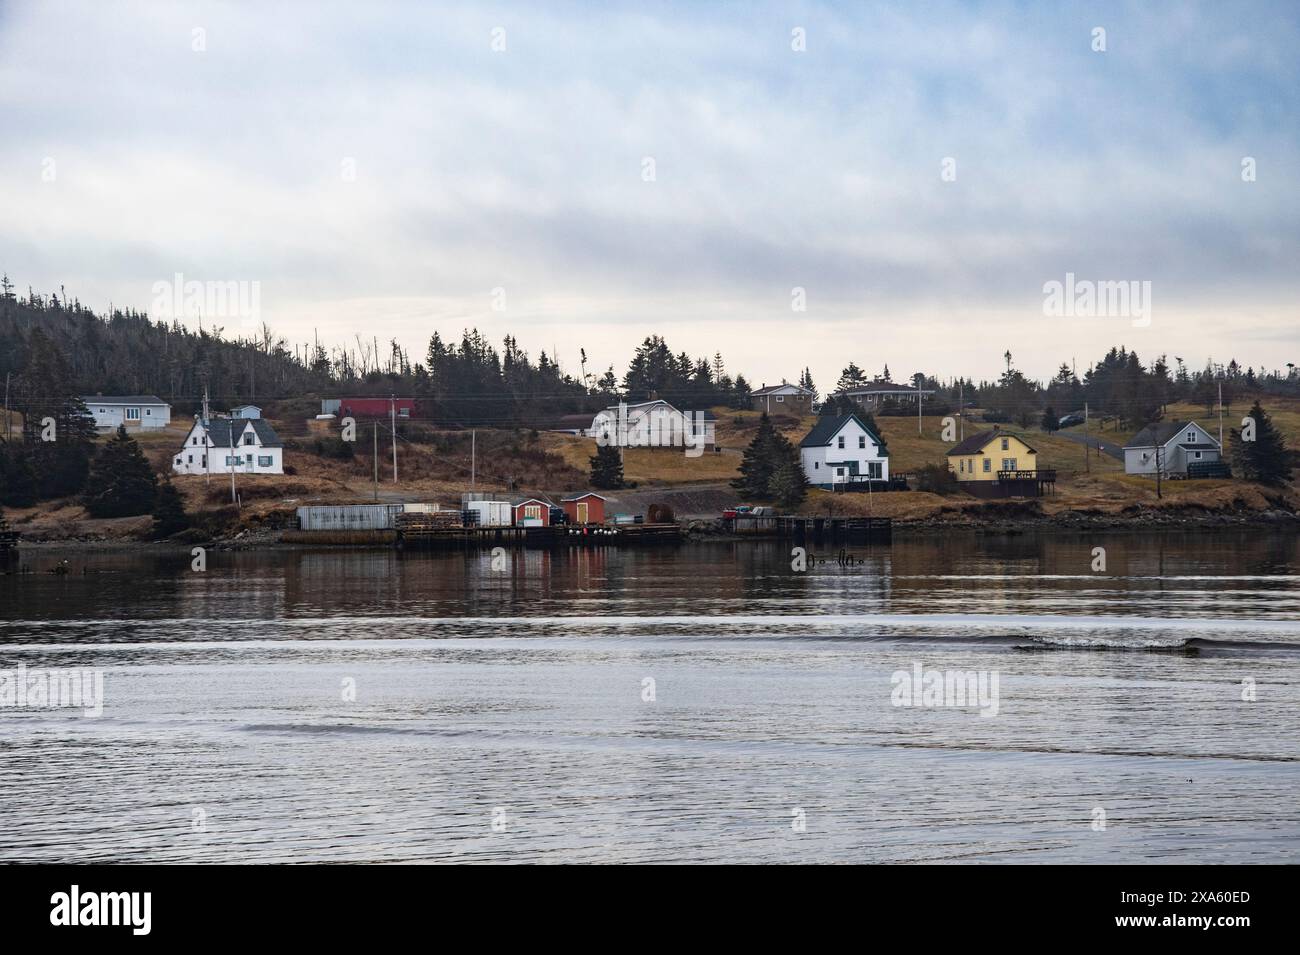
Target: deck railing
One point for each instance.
(1047, 475)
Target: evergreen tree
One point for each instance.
(607, 468)
(121, 483)
(766, 454)
(756, 464)
(850, 377)
(44, 394)
(18, 483)
(740, 393)
(168, 510)
(789, 485)
(1051, 420)
(1264, 459)
(806, 381)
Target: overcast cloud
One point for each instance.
(523, 169)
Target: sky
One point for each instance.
(792, 185)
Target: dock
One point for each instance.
(849, 530)
(419, 531)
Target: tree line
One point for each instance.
(460, 383)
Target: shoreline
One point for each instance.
(707, 532)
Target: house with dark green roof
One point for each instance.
(841, 451)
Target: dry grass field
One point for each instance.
(519, 462)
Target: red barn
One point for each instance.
(585, 508)
(529, 512)
(376, 407)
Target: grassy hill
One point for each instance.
(434, 465)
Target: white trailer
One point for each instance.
(492, 513)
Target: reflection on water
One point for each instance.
(371, 705)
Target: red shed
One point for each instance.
(528, 512)
(376, 407)
(586, 508)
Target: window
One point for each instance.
(873, 470)
(194, 440)
(841, 440)
(839, 472)
(147, 412)
(132, 414)
(862, 441)
(204, 460)
(189, 459)
(403, 412)
(532, 510)
(816, 465)
(231, 461)
(178, 461)
(248, 437)
(263, 462)
(1006, 444)
(780, 397)
(1191, 435)
(1008, 464)
(1198, 455)
(101, 411)
(988, 465)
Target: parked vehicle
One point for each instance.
(1070, 420)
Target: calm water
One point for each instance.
(518, 696)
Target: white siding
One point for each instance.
(146, 416)
(821, 463)
(247, 458)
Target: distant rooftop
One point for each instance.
(122, 400)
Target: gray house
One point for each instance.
(143, 412)
(1175, 446)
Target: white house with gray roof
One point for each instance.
(222, 445)
(1174, 445)
(143, 412)
(841, 451)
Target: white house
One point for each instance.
(1174, 444)
(840, 451)
(222, 445)
(144, 412)
(246, 411)
(652, 424)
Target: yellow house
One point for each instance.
(981, 456)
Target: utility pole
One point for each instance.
(918, 414)
(7, 438)
(374, 457)
(1158, 494)
(473, 457)
(961, 408)
(207, 449)
(1087, 458)
(234, 498)
(392, 414)
(1220, 414)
